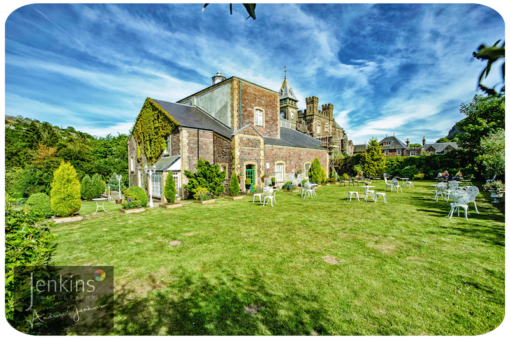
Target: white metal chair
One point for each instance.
(387, 184)
(473, 192)
(269, 194)
(353, 193)
(381, 194)
(452, 186)
(441, 190)
(396, 185)
(409, 183)
(460, 199)
(259, 195)
(309, 191)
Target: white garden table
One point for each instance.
(99, 204)
(366, 192)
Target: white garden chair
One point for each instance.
(452, 186)
(396, 185)
(460, 199)
(259, 195)
(441, 190)
(269, 194)
(309, 191)
(473, 192)
(387, 184)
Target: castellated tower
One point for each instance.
(312, 106)
(327, 110)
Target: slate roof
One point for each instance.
(440, 146)
(293, 138)
(165, 162)
(191, 116)
(286, 91)
(395, 143)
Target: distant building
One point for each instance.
(394, 147)
(359, 149)
(440, 147)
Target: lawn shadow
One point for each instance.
(231, 305)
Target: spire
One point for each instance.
(286, 91)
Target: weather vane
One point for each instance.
(285, 70)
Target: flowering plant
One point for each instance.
(290, 187)
(497, 186)
(256, 189)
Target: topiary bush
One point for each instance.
(234, 186)
(140, 194)
(324, 174)
(170, 191)
(86, 190)
(65, 191)
(40, 202)
(315, 172)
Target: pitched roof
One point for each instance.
(395, 143)
(286, 91)
(440, 146)
(293, 138)
(164, 163)
(194, 117)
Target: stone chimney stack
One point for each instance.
(423, 142)
(407, 142)
(217, 78)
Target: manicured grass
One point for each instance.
(89, 207)
(403, 267)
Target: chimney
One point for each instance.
(407, 142)
(217, 78)
(423, 142)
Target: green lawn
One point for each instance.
(403, 267)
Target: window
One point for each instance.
(307, 168)
(413, 153)
(399, 152)
(140, 178)
(168, 144)
(319, 127)
(176, 179)
(224, 168)
(279, 171)
(156, 185)
(259, 117)
(386, 153)
(132, 164)
(326, 127)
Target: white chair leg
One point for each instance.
(474, 202)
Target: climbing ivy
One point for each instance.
(152, 126)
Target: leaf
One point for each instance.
(203, 8)
(250, 8)
(231, 9)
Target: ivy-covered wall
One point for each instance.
(151, 128)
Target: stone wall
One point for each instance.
(253, 97)
(175, 142)
(223, 155)
(294, 159)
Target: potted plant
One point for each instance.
(266, 175)
(273, 182)
(299, 172)
(247, 183)
(497, 189)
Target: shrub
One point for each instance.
(315, 172)
(409, 172)
(357, 170)
(256, 189)
(130, 200)
(140, 194)
(346, 176)
(65, 191)
(332, 180)
(170, 191)
(419, 176)
(290, 187)
(234, 186)
(114, 183)
(202, 193)
(207, 176)
(273, 181)
(40, 202)
(324, 174)
(373, 160)
(98, 186)
(247, 181)
(28, 243)
(86, 189)
(303, 182)
(287, 184)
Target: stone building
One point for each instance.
(319, 124)
(234, 123)
(394, 147)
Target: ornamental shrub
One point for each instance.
(98, 186)
(373, 160)
(247, 181)
(65, 191)
(140, 194)
(40, 202)
(86, 190)
(346, 176)
(208, 176)
(28, 243)
(170, 191)
(234, 185)
(324, 174)
(287, 184)
(409, 172)
(315, 172)
(419, 176)
(201, 194)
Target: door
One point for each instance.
(250, 173)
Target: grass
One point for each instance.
(89, 207)
(403, 267)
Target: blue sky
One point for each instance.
(387, 69)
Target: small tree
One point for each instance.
(86, 189)
(492, 155)
(98, 186)
(324, 174)
(170, 191)
(207, 176)
(373, 160)
(315, 172)
(234, 185)
(65, 191)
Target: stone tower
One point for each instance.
(288, 104)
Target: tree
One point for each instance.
(65, 191)
(234, 185)
(170, 191)
(98, 186)
(86, 189)
(491, 54)
(208, 176)
(373, 160)
(250, 8)
(492, 155)
(483, 116)
(415, 145)
(324, 174)
(315, 172)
